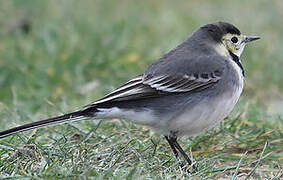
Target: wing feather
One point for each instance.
(160, 79)
(148, 86)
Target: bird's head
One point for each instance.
(227, 37)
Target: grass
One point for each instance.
(76, 51)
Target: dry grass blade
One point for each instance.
(258, 162)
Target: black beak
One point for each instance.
(250, 38)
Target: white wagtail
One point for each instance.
(189, 89)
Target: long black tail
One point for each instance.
(74, 116)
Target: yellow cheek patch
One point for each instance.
(233, 49)
(229, 44)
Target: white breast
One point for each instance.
(209, 112)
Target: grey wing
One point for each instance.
(150, 85)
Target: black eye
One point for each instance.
(234, 39)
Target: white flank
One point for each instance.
(145, 117)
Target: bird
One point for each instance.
(191, 88)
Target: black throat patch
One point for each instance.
(237, 61)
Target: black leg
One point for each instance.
(172, 147)
(182, 152)
(172, 139)
(171, 143)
